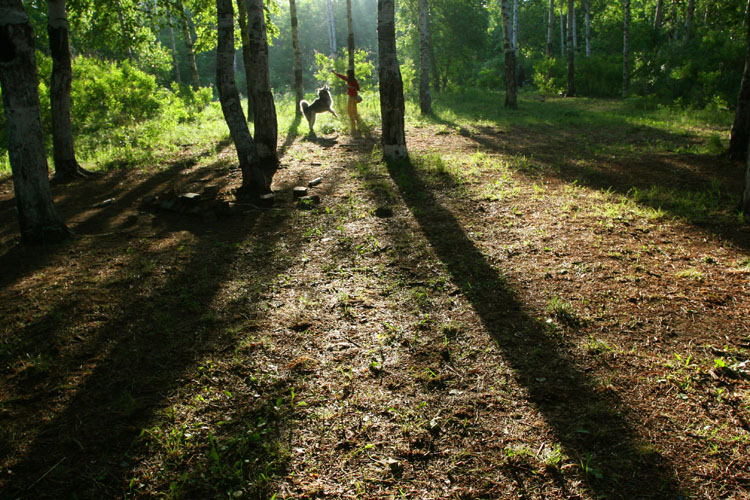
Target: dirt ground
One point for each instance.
(493, 319)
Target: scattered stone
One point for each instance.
(210, 192)
(299, 192)
(308, 202)
(315, 182)
(384, 212)
(104, 203)
(189, 198)
(266, 200)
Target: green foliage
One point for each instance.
(363, 69)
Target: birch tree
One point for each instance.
(253, 180)
(391, 85)
(514, 38)
(562, 28)
(740, 137)
(625, 48)
(511, 84)
(550, 27)
(246, 57)
(37, 215)
(264, 108)
(189, 44)
(571, 92)
(425, 99)
(331, 28)
(175, 64)
(587, 19)
(297, 57)
(63, 152)
(349, 36)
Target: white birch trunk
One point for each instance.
(511, 84)
(550, 27)
(425, 99)
(189, 45)
(297, 57)
(253, 180)
(264, 108)
(175, 64)
(38, 219)
(626, 49)
(515, 25)
(587, 5)
(571, 92)
(349, 35)
(391, 85)
(562, 28)
(331, 28)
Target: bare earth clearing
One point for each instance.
(494, 320)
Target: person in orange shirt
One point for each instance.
(352, 90)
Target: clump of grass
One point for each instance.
(563, 311)
(691, 273)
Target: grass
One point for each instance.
(518, 288)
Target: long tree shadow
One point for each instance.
(616, 461)
(90, 404)
(694, 188)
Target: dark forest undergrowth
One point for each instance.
(530, 308)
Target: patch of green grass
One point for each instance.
(563, 311)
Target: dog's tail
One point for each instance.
(304, 106)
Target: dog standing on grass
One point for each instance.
(321, 104)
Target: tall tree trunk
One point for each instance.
(511, 84)
(264, 109)
(689, 20)
(425, 99)
(391, 85)
(575, 30)
(253, 180)
(740, 137)
(66, 166)
(37, 216)
(587, 5)
(189, 45)
(297, 57)
(571, 92)
(175, 63)
(625, 48)
(746, 193)
(349, 35)
(123, 27)
(658, 15)
(514, 39)
(562, 29)
(675, 21)
(331, 28)
(550, 27)
(246, 57)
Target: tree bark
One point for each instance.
(675, 21)
(253, 180)
(550, 27)
(658, 15)
(331, 28)
(425, 99)
(746, 194)
(189, 45)
(124, 29)
(575, 30)
(562, 29)
(350, 35)
(625, 48)
(66, 166)
(391, 85)
(740, 136)
(571, 92)
(175, 64)
(264, 108)
(298, 93)
(689, 20)
(37, 216)
(587, 6)
(511, 84)
(514, 38)
(246, 57)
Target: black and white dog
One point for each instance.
(321, 104)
